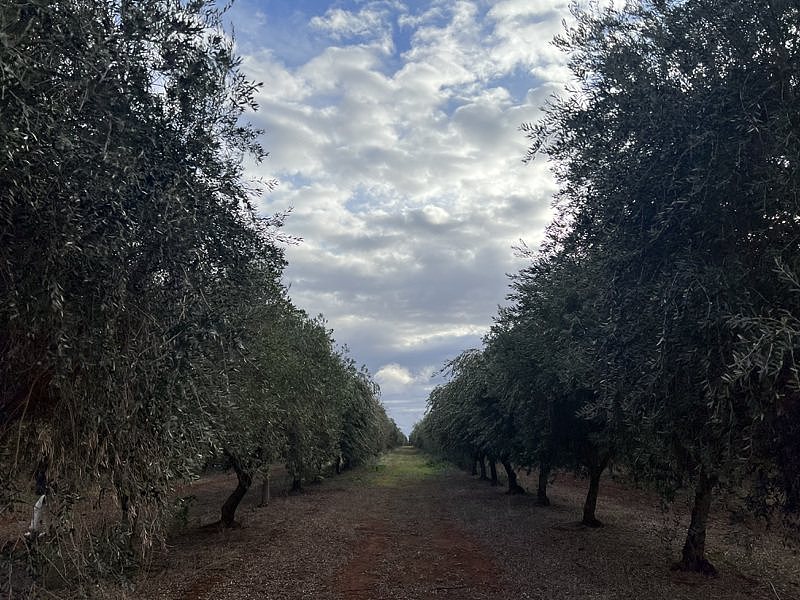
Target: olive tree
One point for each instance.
(125, 224)
(677, 159)
(544, 349)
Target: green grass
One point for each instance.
(400, 467)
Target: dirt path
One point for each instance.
(411, 546)
(383, 532)
(412, 529)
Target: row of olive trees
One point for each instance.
(299, 400)
(143, 324)
(657, 327)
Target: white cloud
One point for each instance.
(342, 23)
(405, 173)
(372, 23)
(393, 375)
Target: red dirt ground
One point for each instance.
(406, 529)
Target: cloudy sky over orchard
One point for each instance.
(393, 129)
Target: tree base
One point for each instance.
(297, 488)
(542, 501)
(592, 522)
(702, 566)
(515, 490)
(220, 525)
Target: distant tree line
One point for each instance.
(144, 328)
(658, 327)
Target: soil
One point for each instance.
(409, 528)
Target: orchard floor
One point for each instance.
(412, 529)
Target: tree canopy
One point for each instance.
(144, 327)
(659, 313)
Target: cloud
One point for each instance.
(397, 144)
(522, 30)
(341, 23)
(393, 378)
(371, 24)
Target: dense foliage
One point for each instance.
(144, 328)
(658, 325)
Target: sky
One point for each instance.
(393, 131)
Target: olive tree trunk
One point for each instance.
(694, 549)
(513, 486)
(493, 471)
(596, 469)
(541, 490)
(244, 480)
